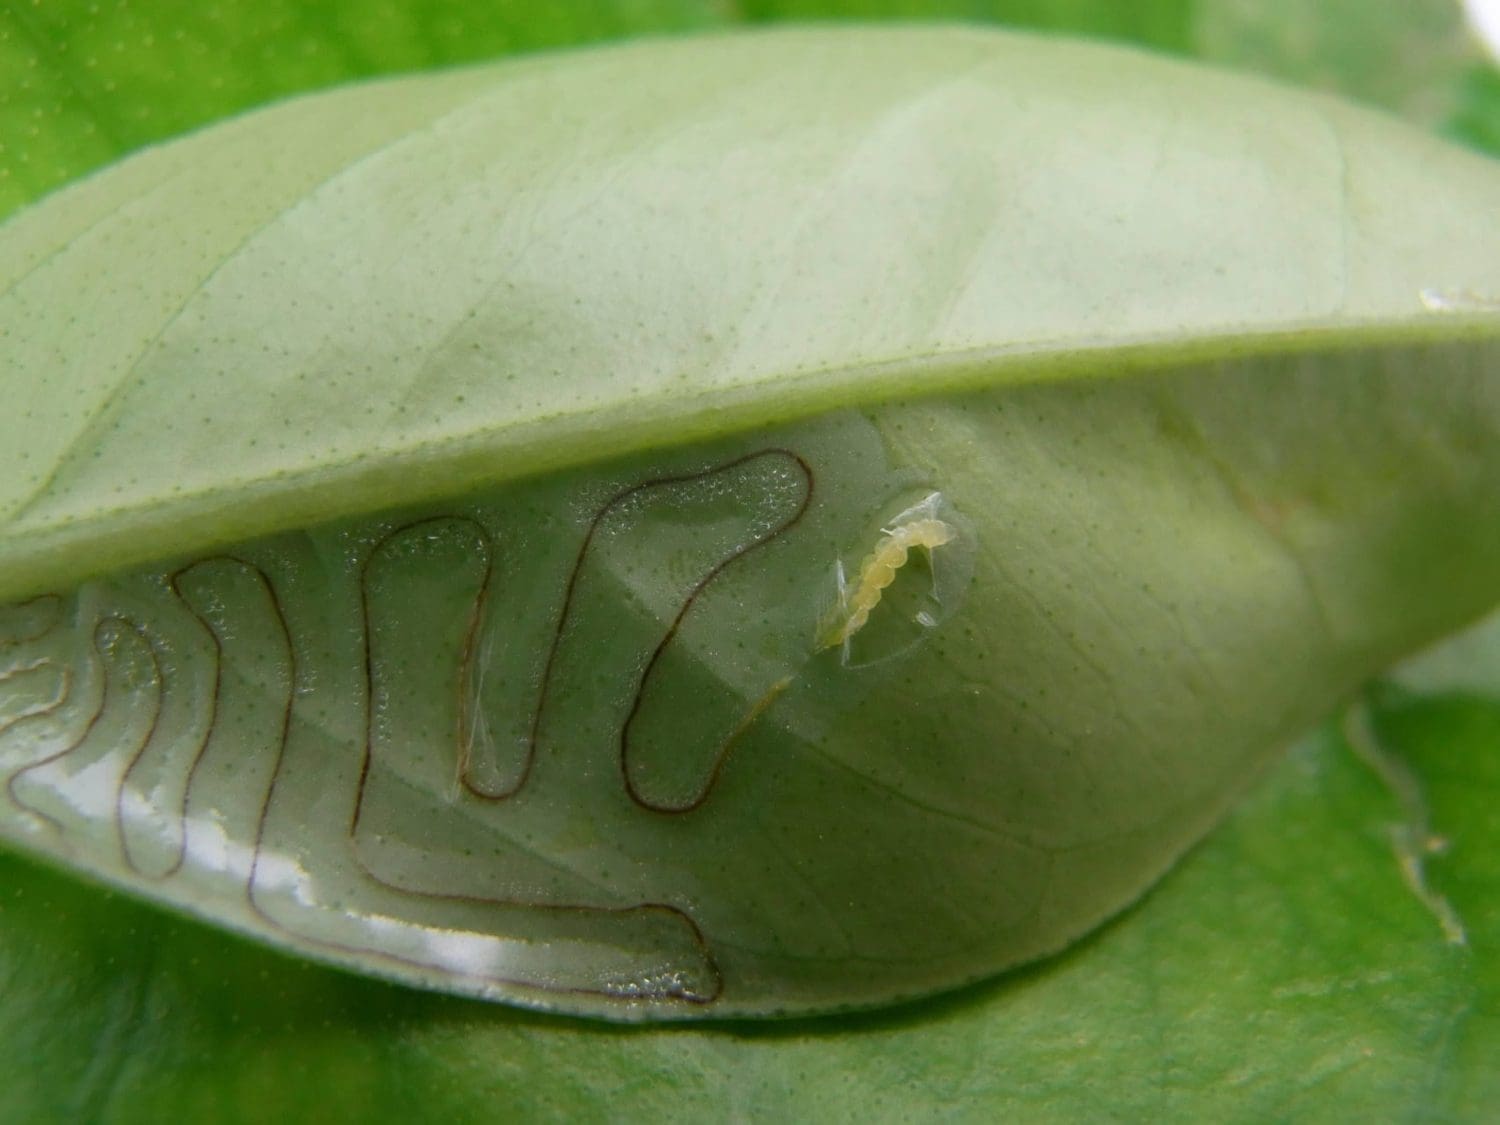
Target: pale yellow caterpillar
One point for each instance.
(918, 526)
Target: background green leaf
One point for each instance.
(1282, 972)
(83, 82)
(1285, 970)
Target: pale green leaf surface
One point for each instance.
(393, 334)
(1468, 662)
(83, 83)
(1408, 58)
(1422, 1065)
(1253, 984)
(549, 269)
(1155, 583)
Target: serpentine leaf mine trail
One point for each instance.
(814, 519)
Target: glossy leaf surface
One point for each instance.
(1250, 984)
(460, 284)
(606, 678)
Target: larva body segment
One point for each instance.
(918, 526)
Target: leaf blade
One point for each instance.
(769, 346)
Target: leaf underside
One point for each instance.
(457, 504)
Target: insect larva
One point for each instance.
(918, 526)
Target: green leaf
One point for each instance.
(1409, 58)
(1252, 984)
(588, 723)
(228, 1032)
(1477, 119)
(82, 83)
(1263, 217)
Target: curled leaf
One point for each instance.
(734, 526)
